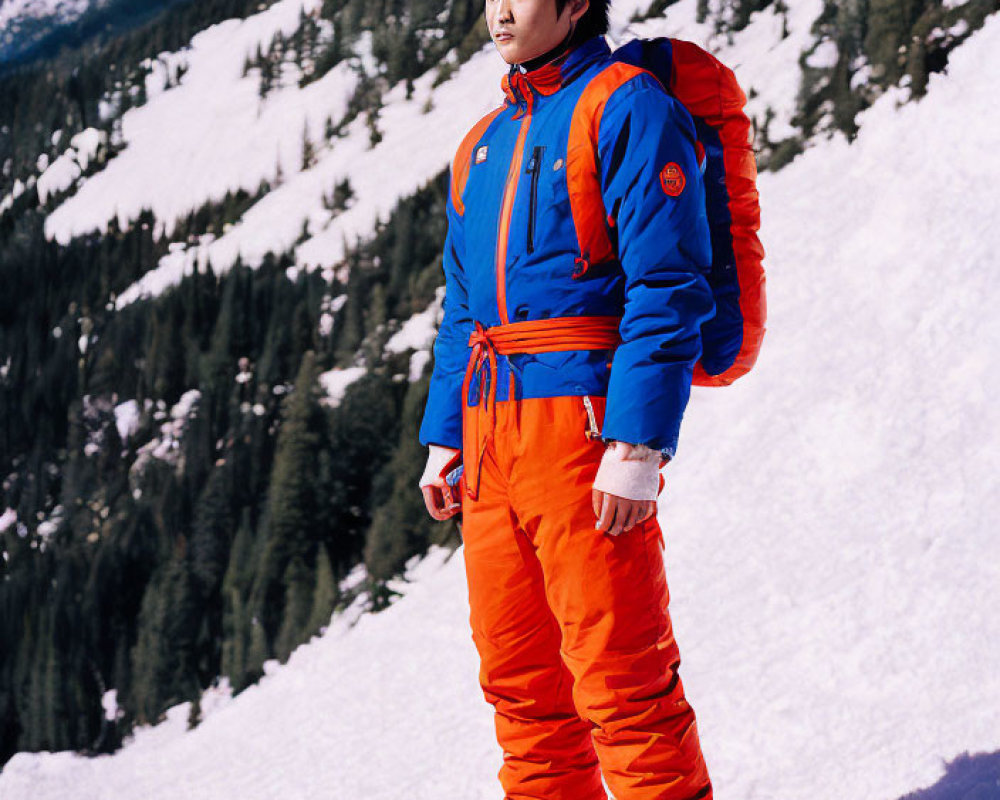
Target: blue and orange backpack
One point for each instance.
(710, 92)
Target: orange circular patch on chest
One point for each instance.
(672, 179)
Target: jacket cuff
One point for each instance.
(437, 459)
(634, 477)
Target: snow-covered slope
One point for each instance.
(13, 12)
(31, 29)
(831, 524)
(25, 23)
(387, 709)
(831, 519)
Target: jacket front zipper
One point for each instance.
(534, 168)
(506, 207)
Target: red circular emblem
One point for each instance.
(672, 179)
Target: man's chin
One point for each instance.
(511, 53)
(507, 52)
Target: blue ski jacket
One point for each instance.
(582, 195)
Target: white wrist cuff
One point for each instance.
(635, 477)
(437, 458)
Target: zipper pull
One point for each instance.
(592, 431)
(532, 162)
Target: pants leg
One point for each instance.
(610, 597)
(548, 751)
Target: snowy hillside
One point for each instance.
(15, 12)
(35, 28)
(222, 138)
(830, 520)
(23, 23)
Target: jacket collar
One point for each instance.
(551, 77)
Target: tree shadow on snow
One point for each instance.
(966, 778)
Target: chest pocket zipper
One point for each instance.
(534, 168)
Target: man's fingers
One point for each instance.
(620, 514)
(625, 511)
(620, 507)
(608, 508)
(434, 501)
(595, 501)
(647, 509)
(632, 515)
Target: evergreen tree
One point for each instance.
(259, 651)
(298, 581)
(213, 530)
(400, 526)
(235, 591)
(293, 500)
(325, 595)
(164, 658)
(194, 713)
(308, 149)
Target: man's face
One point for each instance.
(525, 29)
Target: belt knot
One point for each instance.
(526, 336)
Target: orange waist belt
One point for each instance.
(527, 336)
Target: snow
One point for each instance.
(418, 333)
(824, 56)
(329, 308)
(960, 28)
(766, 63)
(166, 446)
(64, 10)
(863, 530)
(181, 410)
(335, 382)
(16, 191)
(109, 702)
(399, 164)
(47, 528)
(210, 134)
(7, 519)
(309, 706)
(226, 142)
(127, 419)
(830, 524)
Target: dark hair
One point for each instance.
(593, 22)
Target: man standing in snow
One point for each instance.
(575, 296)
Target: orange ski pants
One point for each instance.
(577, 650)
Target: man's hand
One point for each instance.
(619, 514)
(442, 501)
(437, 503)
(626, 487)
